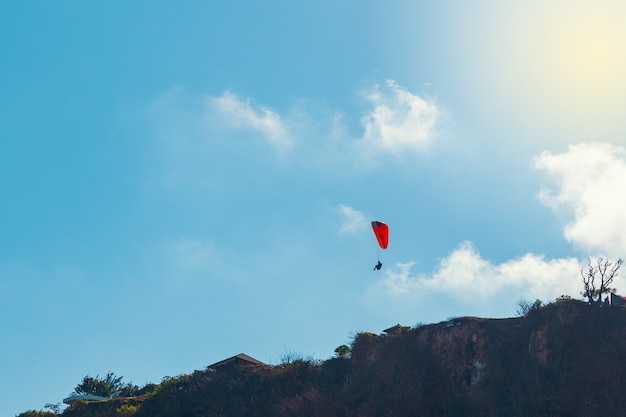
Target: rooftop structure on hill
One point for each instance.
(395, 329)
(83, 397)
(241, 360)
(618, 300)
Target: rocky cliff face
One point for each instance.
(546, 363)
(566, 359)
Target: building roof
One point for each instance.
(618, 299)
(395, 329)
(83, 397)
(242, 358)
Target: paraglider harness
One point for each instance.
(378, 266)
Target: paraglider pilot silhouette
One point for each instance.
(381, 231)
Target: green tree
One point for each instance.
(342, 351)
(127, 410)
(55, 408)
(110, 386)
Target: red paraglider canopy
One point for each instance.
(382, 233)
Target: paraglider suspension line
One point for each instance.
(378, 264)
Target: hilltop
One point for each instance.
(565, 359)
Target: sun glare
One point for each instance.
(586, 59)
(573, 67)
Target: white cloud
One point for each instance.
(466, 276)
(353, 220)
(197, 128)
(400, 120)
(186, 265)
(241, 115)
(192, 254)
(591, 188)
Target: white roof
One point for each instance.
(83, 397)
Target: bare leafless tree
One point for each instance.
(598, 277)
(524, 307)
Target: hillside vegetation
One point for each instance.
(564, 359)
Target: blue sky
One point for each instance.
(182, 183)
